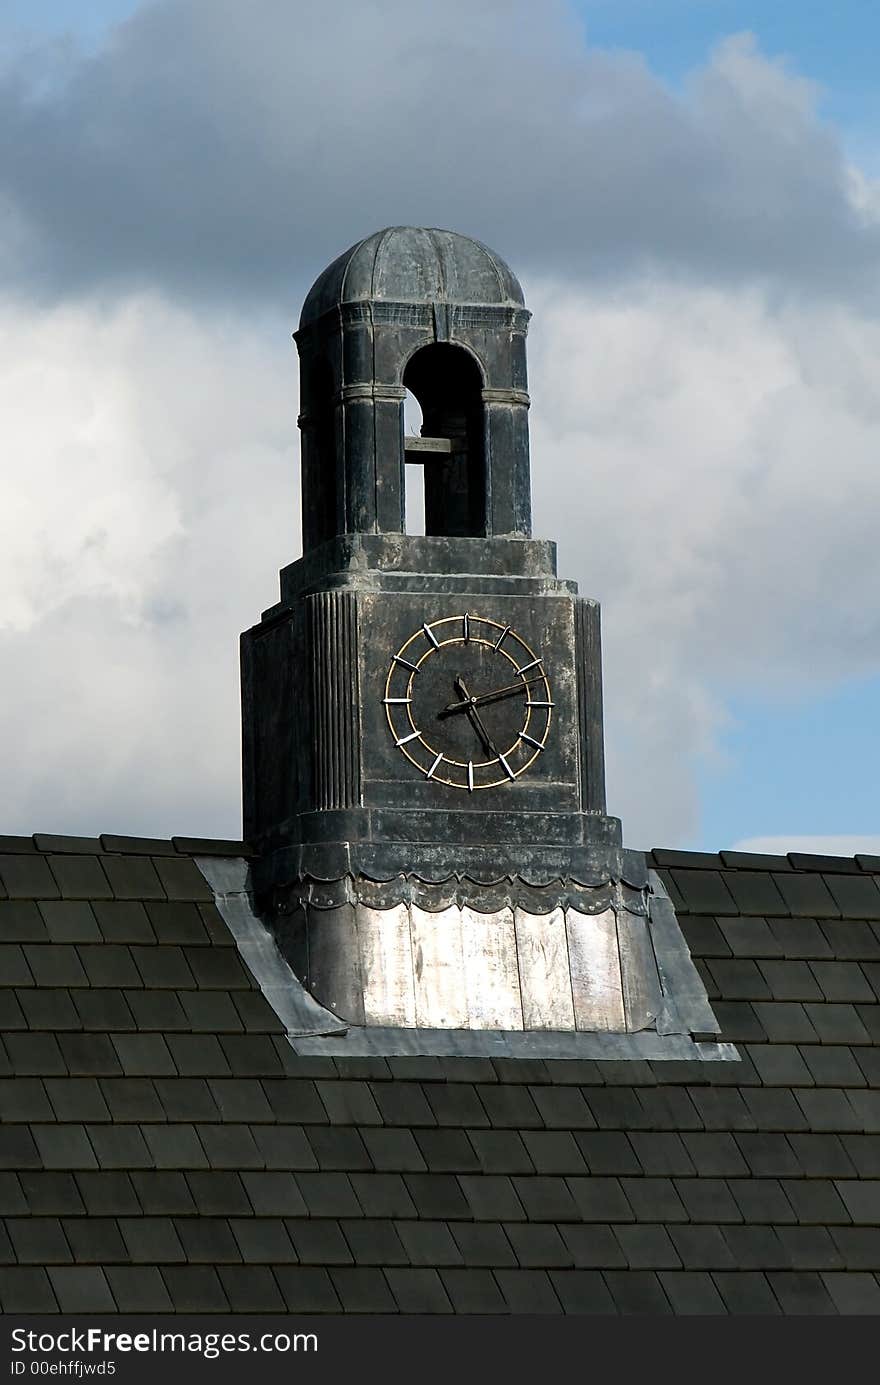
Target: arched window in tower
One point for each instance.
(448, 384)
(414, 473)
(319, 457)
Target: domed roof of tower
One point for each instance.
(414, 264)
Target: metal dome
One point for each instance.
(413, 264)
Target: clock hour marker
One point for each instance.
(530, 703)
(505, 631)
(399, 659)
(466, 626)
(524, 736)
(429, 773)
(508, 770)
(470, 776)
(429, 633)
(525, 668)
(411, 737)
(403, 701)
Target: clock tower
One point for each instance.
(422, 713)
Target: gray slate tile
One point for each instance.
(448, 1151)
(362, 1290)
(747, 1293)
(428, 1243)
(38, 1240)
(647, 1247)
(473, 1290)
(370, 1241)
(418, 1291)
(195, 1289)
(307, 1289)
(382, 1195)
(437, 1195)
(26, 876)
(854, 1294)
(692, 1293)
(81, 1289)
(42, 1192)
(26, 1289)
(138, 1289)
(333, 1147)
(107, 1193)
(801, 1293)
(132, 877)
(207, 1240)
(71, 921)
(320, 1243)
(581, 1292)
(491, 1197)
(637, 1293)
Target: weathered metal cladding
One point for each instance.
(416, 264)
(360, 481)
(333, 640)
(491, 971)
(544, 970)
(453, 557)
(334, 976)
(438, 969)
(390, 483)
(507, 447)
(462, 968)
(275, 726)
(588, 660)
(387, 965)
(685, 1007)
(595, 966)
(641, 983)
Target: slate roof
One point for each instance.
(163, 1149)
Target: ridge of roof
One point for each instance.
(751, 861)
(112, 844)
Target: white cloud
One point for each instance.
(704, 371)
(853, 845)
(706, 461)
(155, 499)
(91, 508)
(696, 452)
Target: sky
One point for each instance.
(689, 191)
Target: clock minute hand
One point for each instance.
(494, 696)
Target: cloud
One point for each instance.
(704, 370)
(214, 150)
(91, 509)
(155, 499)
(853, 845)
(681, 446)
(705, 459)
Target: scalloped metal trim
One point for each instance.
(485, 897)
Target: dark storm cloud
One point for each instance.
(217, 149)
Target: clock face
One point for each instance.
(468, 702)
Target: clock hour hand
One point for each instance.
(495, 696)
(475, 719)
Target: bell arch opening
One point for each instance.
(414, 471)
(447, 383)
